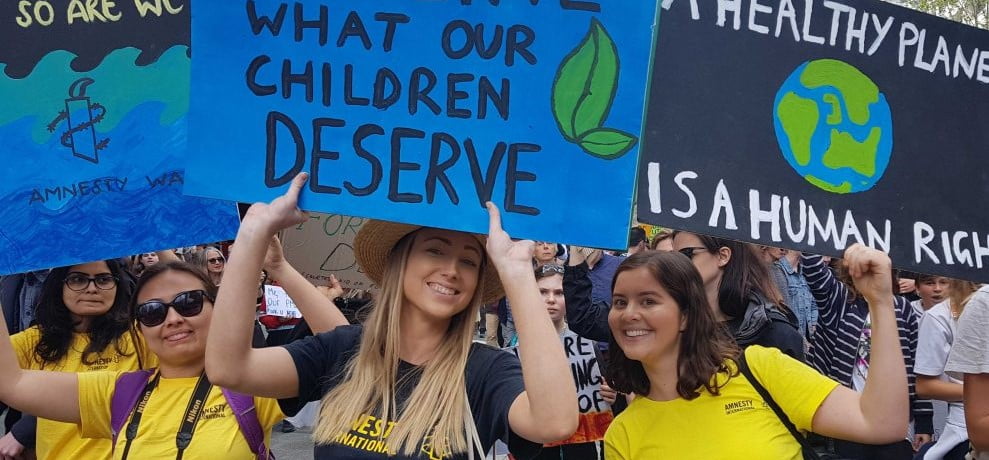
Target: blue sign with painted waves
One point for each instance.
(93, 133)
(419, 111)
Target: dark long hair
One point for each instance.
(55, 320)
(705, 344)
(159, 268)
(745, 277)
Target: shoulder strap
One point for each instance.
(808, 451)
(126, 392)
(247, 419)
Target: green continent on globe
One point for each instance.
(858, 90)
(799, 118)
(846, 151)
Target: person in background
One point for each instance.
(969, 358)
(932, 290)
(637, 241)
(545, 253)
(843, 341)
(595, 412)
(83, 325)
(697, 397)
(213, 263)
(801, 300)
(662, 241)
(936, 335)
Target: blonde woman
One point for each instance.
(938, 329)
(409, 384)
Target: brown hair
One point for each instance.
(663, 234)
(705, 344)
(960, 293)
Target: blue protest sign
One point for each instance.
(419, 111)
(93, 127)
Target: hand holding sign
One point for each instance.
(274, 258)
(281, 213)
(509, 257)
(332, 291)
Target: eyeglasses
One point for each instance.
(187, 304)
(216, 260)
(78, 282)
(550, 268)
(689, 252)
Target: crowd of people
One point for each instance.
(679, 346)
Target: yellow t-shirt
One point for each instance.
(216, 435)
(57, 440)
(735, 424)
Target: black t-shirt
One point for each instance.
(494, 380)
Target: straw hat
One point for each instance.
(376, 238)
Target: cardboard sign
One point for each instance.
(420, 111)
(324, 246)
(815, 124)
(93, 128)
(278, 303)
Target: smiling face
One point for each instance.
(644, 319)
(91, 300)
(551, 288)
(178, 340)
(442, 272)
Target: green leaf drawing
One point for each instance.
(584, 88)
(607, 143)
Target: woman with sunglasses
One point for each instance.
(700, 397)
(213, 264)
(409, 384)
(82, 325)
(174, 307)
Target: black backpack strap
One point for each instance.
(808, 451)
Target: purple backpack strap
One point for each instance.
(126, 391)
(247, 419)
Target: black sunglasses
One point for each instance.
(188, 303)
(216, 260)
(689, 252)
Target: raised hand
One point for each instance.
(282, 212)
(274, 258)
(332, 291)
(871, 271)
(507, 256)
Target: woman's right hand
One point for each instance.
(871, 271)
(283, 212)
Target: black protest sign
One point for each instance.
(813, 125)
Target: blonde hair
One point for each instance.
(437, 409)
(959, 293)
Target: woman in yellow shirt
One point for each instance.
(83, 325)
(693, 401)
(174, 303)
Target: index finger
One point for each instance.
(494, 218)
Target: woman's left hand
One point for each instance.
(507, 256)
(283, 212)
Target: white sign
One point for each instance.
(278, 303)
